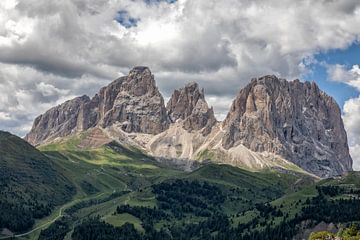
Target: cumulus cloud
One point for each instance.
(340, 73)
(351, 116)
(351, 110)
(53, 50)
(26, 92)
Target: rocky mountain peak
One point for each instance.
(295, 120)
(189, 104)
(133, 103)
(139, 70)
(139, 82)
(139, 106)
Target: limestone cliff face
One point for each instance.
(139, 106)
(292, 119)
(59, 121)
(93, 111)
(132, 102)
(189, 105)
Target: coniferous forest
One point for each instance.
(175, 204)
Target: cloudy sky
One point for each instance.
(52, 50)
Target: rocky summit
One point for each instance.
(272, 122)
(134, 103)
(138, 106)
(189, 105)
(295, 120)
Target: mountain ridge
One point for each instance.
(271, 123)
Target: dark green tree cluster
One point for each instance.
(88, 188)
(145, 214)
(333, 191)
(94, 229)
(57, 230)
(21, 215)
(215, 227)
(341, 210)
(16, 217)
(266, 210)
(181, 197)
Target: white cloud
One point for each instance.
(4, 116)
(351, 116)
(340, 73)
(25, 93)
(51, 50)
(221, 104)
(355, 154)
(351, 110)
(49, 90)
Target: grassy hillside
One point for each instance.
(108, 168)
(120, 190)
(101, 176)
(30, 184)
(114, 175)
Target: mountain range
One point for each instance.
(125, 165)
(272, 123)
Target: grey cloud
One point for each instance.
(348, 7)
(50, 62)
(196, 58)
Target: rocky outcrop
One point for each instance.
(100, 104)
(59, 121)
(292, 119)
(189, 105)
(132, 102)
(139, 106)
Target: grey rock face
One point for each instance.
(59, 121)
(133, 101)
(189, 104)
(95, 110)
(139, 106)
(292, 119)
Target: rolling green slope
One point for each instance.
(30, 184)
(114, 175)
(107, 168)
(100, 176)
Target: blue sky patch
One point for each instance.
(340, 91)
(125, 19)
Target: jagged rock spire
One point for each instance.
(189, 104)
